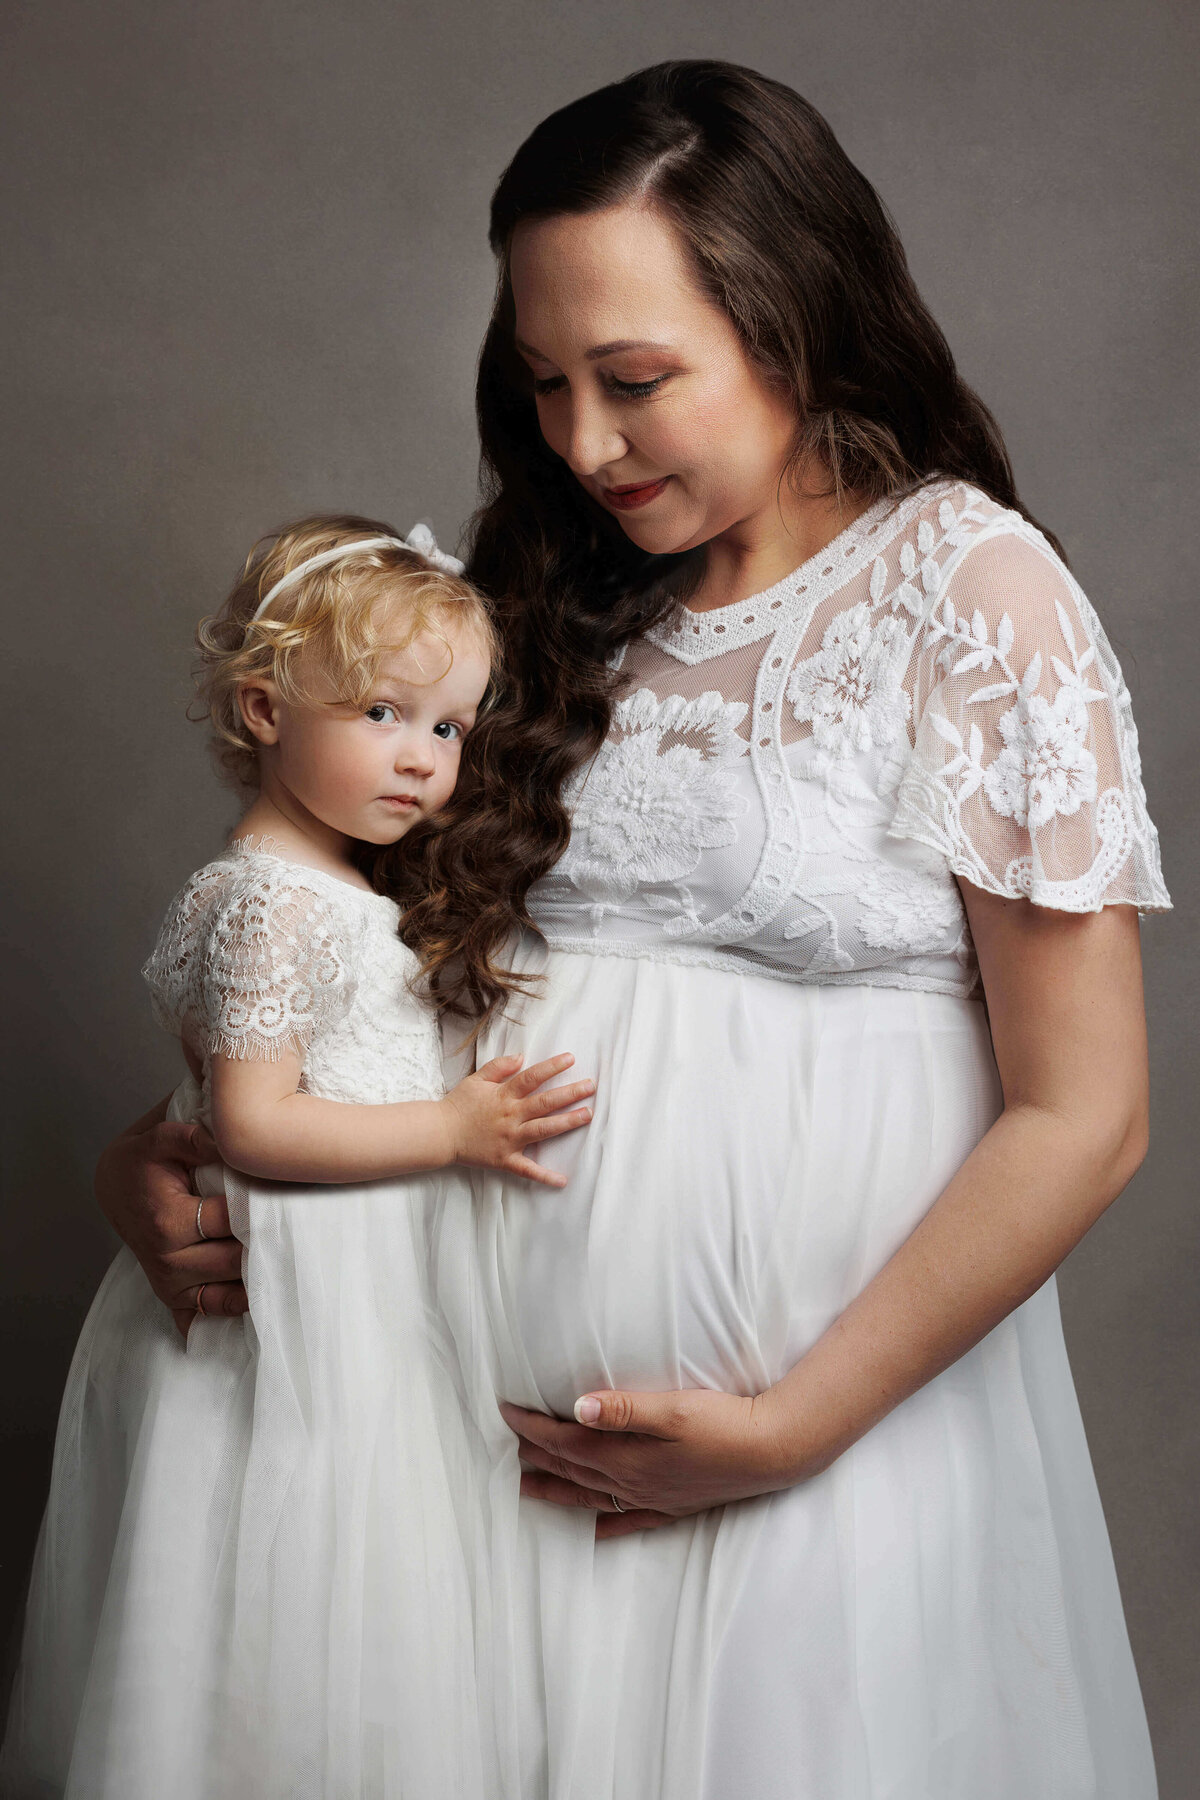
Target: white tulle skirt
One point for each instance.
(292, 1563)
(936, 1616)
(256, 1577)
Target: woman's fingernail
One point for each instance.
(587, 1410)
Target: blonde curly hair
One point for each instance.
(339, 621)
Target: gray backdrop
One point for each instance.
(246, 275)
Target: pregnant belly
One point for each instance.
(757, 1152)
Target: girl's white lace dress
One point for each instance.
(256, 1573)
(756, 943)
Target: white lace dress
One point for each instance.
(756, 942)
(256, 1571)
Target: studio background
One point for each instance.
(245, 277)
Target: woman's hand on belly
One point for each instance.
(661, 1455)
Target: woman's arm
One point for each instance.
(1065, 1006)
(266, 1127)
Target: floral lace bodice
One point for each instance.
(791, 784)
(257, 953)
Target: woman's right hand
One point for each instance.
(143, 1185)
(496, 1115)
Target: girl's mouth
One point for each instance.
(640, 493)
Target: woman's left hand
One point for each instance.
(661, 1455)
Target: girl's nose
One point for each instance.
(414, 756)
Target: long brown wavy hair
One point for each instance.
(794, 243)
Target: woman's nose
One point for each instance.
(592, 438)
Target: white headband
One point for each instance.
(420, 539)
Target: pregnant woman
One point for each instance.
(828, 779)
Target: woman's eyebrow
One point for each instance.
(598, 350)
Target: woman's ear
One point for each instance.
(260, 707)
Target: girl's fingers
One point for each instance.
(555, 1099)
(538, 1130)
(533, 1077)
(500, 1068)
(524, 1165)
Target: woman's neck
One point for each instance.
(760, 550)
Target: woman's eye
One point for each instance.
(448, 729)
(634, 390)
(626, 390)
(381, 713)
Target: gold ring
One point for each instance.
(200, 1298)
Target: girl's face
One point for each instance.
(371, 771)
(642, 384)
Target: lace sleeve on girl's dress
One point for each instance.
(252, 962)
(1025, 771)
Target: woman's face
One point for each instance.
(643, 386)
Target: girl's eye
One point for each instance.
(549, 384)
(445, 728)
(381, 713)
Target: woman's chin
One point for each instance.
(661, 537)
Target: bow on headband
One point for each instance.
(420, 539)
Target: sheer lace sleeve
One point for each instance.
(252, 962)
(1025, 770)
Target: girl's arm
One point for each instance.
(1065, 1006)
(266, 1127)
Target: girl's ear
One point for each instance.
(260, 707)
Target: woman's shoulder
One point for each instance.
(945, 515)
(952, 517)
(948, 539)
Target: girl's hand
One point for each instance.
(495, 1115)
(662, 1455)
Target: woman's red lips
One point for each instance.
(635, 493)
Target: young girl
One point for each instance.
(262, 1555)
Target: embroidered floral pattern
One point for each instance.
(851, 689)
(1045, 767)
(659, 793)
(924, 699)
(909, 913)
